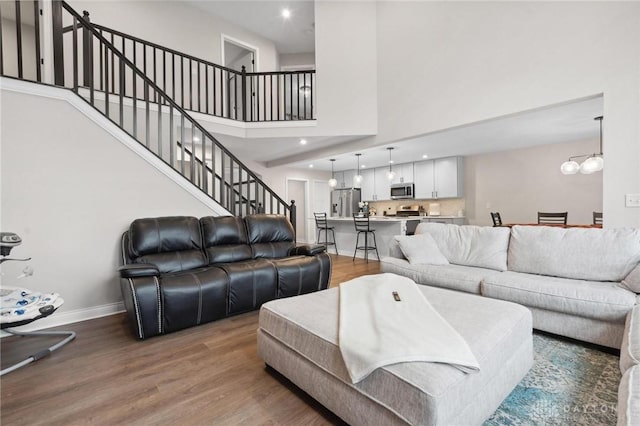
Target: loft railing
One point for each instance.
(93, 68)
(202, 86)
(20, 54)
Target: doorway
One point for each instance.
(235, 54)
(298, 189)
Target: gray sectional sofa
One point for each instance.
(577, 282)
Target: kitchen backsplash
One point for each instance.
(448, 206)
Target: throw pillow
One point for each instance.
(421, 250)
(632, 281)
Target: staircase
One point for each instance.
(147, 89)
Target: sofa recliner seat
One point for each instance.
(179, 272)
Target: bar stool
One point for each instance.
(322, 225)
(362, 227)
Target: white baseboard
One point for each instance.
(77, 315)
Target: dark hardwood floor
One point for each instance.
(209, 374)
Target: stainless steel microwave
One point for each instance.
(402, 190)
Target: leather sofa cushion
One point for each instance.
(301, 274)
(251, 283)
(587, 299)
(193, 297)
(225, 239)
(270, 236)
(164, 234)
(172, 244)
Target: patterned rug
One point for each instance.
(569, 384)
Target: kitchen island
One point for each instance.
(386, 228)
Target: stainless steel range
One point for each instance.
(404, 211)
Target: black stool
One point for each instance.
(322, 225)
(362, 226)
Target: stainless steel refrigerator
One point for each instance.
(344, 202)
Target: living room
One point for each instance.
(410, 69)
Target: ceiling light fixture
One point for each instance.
(311, 166)
(425, 156)
(332, 182)
(357, 179)
(286, 13)
(593, 163)
(391, 174)
(306, 91)
(303, 141)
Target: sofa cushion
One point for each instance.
(455, 277)
(480, 246)
(302, 274)
(629, 398)
(630, 349)
(270, 236)
(632, 281)
(193, 297)
(173, 244)
(583, 254)
(225, 239)
(421, 249)
(588, 299)
(251, 283)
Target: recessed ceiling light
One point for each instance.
(286, 13)
(303, 141)
(363, 166)
(425, 156)
(311, 166)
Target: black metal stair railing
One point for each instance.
(92, 67)
(202, 86)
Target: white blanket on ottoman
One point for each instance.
(376, 330)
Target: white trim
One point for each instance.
(244, 45)
(306, 203)
(67, 95)
(76, 315)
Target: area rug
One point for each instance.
(569, 384)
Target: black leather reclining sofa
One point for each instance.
(180, 271)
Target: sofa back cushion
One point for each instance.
(225, 239)
(479, 246)
(578, 253)
(270, 236)
(173, 244)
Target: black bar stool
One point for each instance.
(362, 227)
(322, 225)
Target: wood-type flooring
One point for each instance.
(205, 375)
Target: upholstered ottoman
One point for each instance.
(299, 338)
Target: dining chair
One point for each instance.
(597, 218)
(497, 220)
(546, 218)
(323, 225)
(362, 226)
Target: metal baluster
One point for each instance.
(235, 96)
(100, 67)
(106, 80)
(206, 88)
(228, 96)
(164, 71)
(215, 101)
(271, 96)
(113, 69)
(278, 95)
(159, 104)
(123, 75)
(134, 84)
(121, 90)
(75, 52)
(19, 36)
(258, 98)
(312, 87)
(204, 162)
(155, 68)
(147, 115)
(182, 143)
(264, 97)
(190, 85)
(173, 77)
(290, 96)
(251, 98)
(304, 95)
(182, 80)
(223, 199)
(36, 20)
(192, 157)
(232, 188)
(198, 75)
(298, 95)
(171, 147)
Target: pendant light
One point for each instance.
(593, 163)
(390, 174)
(357, 179)
(332, 182)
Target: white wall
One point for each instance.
(176, 25)
(69, 189)
(297, 60)
(443, 64)
(519, 183)
(346, 76)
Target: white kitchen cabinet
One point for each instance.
(382, 185)
(348, 179)
(439, 178)
(404, 173)
(368, 186)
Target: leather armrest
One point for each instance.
(307, 250)
(138, 270)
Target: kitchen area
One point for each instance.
(396, 200)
